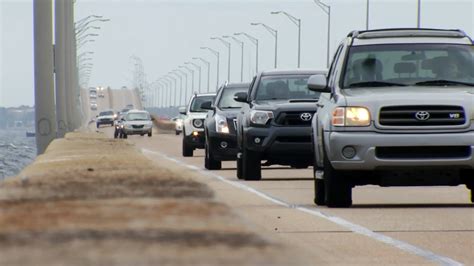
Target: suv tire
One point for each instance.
(251, 165)
(187, 151)
(150, 134)
(338, 189)
(209, 162)
(239, 168)
(319, 191)
(124, 135)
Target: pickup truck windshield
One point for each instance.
(284, 88)
(227, 98)
(409, 65)
(106, 113)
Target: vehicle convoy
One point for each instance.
(274, 124)
(136, 122)
(105, 118)
(193, 123)
(219, 126)
(396, 109)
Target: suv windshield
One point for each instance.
(197, 101)
(106, 113)
(409, 64)
(227, 97)
(284, 88)
(137, 116)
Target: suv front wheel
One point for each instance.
(187, 151)
(209, 162)
(337, 188)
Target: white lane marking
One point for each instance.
(438, 259)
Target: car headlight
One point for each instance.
(260, 117)
(197, 123)
(221, 124)
(121, 126)
(351, 117)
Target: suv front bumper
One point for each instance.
(196, 139)
(367, 147)
(281, 145)
(223, 146)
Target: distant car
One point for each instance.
(101, 95)
(105, 118)
(219, 126)
(193, 125)
(136, 122)
(93, 106)
(125, 110)
(129, 106)
(178, 121)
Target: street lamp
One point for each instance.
(273, 32)
(85, 36)
(326, 9)
(227, 44)
(367, 14)
(192, 76)
(418, 17)
(199, 70)
(208, 64)
(180, 86)
(186, 79)
(242, 57)
(85, 29)
(254, 41)
(216, 53)
(297, 22)
(79, 45)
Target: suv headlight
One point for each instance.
(221, 124)
(197, 123)
(351, 116)
(259, 117)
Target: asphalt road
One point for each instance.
(401, 225)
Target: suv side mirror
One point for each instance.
(241, 97)
(318, 83)
(207, 105)
(182, 110)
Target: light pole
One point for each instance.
(170, 93)
(79, 45)
(192, 76)
(84, 54)
(227, 44)
(216, 53)
(418, 18)
(242, 54)
(199, 70)
(208, 64)
(186, 82)
(273, 32)
(297, 22)
(367, 15)
(254, 41)
(180, 86)
(326, 9)
(81, 38)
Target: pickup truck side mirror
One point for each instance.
(182, 110)
(207, 105)
(241, 97)
(318, 83)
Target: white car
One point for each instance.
(178, 123)
(105, 118)
(136, 122)
(193, 124)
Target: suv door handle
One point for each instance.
(320, 105)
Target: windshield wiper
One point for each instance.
(442, 82)
(375, 84)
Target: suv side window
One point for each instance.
(332, 69)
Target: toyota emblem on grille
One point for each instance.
(306, 116)
(422, 115)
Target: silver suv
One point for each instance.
(396, 109)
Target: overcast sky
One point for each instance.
(164, 34)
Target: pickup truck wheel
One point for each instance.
(124, 136)
(150, 134)
(251, 165)
(187, 151)
(319, 192)
(239, 168)
(116, 134)
(472, 195)
(209, 162)
(337, 188)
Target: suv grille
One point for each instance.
(294, 118)
(423, 152)
(422, 116)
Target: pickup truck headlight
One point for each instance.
(351, 117)
(260, 117)
(221, 124)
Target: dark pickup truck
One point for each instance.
(275, 123)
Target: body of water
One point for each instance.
(16, 151)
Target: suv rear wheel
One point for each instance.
(338, 189)
(209, 162)
(187, 151)
(251, 165)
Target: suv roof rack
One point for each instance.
(408, 32)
